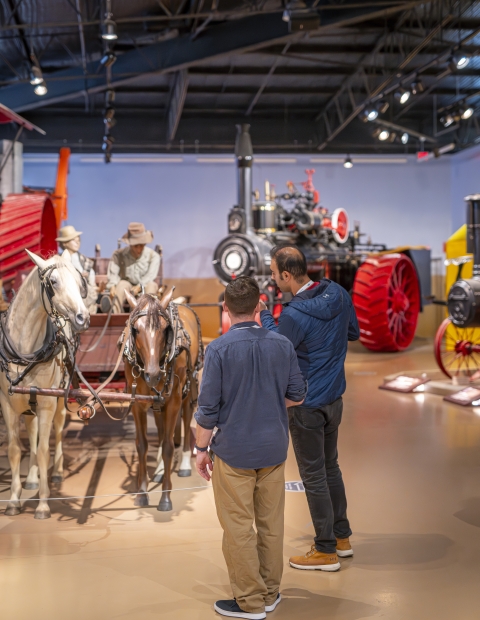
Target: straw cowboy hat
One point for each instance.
(137, 235)
(67, 233)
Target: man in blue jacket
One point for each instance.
(319, 321)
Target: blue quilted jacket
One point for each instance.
(319, 322)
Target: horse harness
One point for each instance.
(55, 340)
(178, 340)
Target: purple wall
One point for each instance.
(465, 180)
(186, 201)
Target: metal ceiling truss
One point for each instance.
(248, 33)
(177, 101)
(356, 93)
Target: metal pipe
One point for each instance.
(473, 231)
(107, 396)
(244, 155)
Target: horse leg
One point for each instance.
(31, 423)
(185, 468)
(160, 470)
(172, 410)
(58, 424)
(45, 419)
(12, 421)
(140, 417)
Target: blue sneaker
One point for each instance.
(274, 604)
(231, 609)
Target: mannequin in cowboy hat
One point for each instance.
(132, 267)
(69, 240)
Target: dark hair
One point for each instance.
(290, 258)
(242, 295)
(149, 305)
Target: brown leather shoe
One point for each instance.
(316, 560)
(344, 548)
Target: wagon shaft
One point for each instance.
(104, 395)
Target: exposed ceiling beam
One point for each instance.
(177, 101)
(239, 36)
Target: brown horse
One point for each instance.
(164, 353)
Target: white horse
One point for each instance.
(26, 324)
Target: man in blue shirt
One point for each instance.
(319, 321)
(251, 376)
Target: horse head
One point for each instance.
(63, 288)
(149, 324)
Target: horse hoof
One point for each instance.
(165, 505)
(141, 499)
(42, 514)
(158, 478)
(12, 511)
(57, 479)
(30, 486)
(184, 473)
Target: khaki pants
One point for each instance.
(254, 560)
(124, 285)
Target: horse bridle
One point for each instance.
(49, 291)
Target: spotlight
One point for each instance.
(384, 135)
(467, 113)
(40, 89)
(109, 30)
(348, 163)
(370, 114)
(417, 87)
(405, 138)
(286, 15)
(447, 120)
(108, 59)
(402, 95)
(459, 60)
(383, 107)
(36, 76)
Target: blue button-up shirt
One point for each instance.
(248, 373)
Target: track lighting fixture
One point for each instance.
(348, 163)
(369, 114)
(404, 138)
(383, 106)
(447, 120)
(36, 76)
(467, 113)
(402, 95)
(384, 135)
(417, 87)
(109, 27)
(286, 16)
(108, 59)
(40, 89)
(459, 60)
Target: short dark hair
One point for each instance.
(290, 258)
(242, 295)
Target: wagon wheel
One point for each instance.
(386, 296)
(457, 350)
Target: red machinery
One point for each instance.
(30, 219)
(387, 285)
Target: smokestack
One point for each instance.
(473, 231)
(244, 155)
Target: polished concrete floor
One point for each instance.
(411, 464)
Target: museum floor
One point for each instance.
(412, 469)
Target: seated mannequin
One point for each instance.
(69, 241)
(133, 267)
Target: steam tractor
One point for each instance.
(457, 343)
(388, 286)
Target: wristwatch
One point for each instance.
(201, 449)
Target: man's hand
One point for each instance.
(262, 306)
(113, 291)
(136, 289)
(204, 463)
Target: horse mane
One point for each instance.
(150, 305)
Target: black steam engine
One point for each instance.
(386, 285)
(255, 227)
(464, 296)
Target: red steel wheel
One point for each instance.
(457, 350)
(386, 296)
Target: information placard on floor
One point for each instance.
(467, 397)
